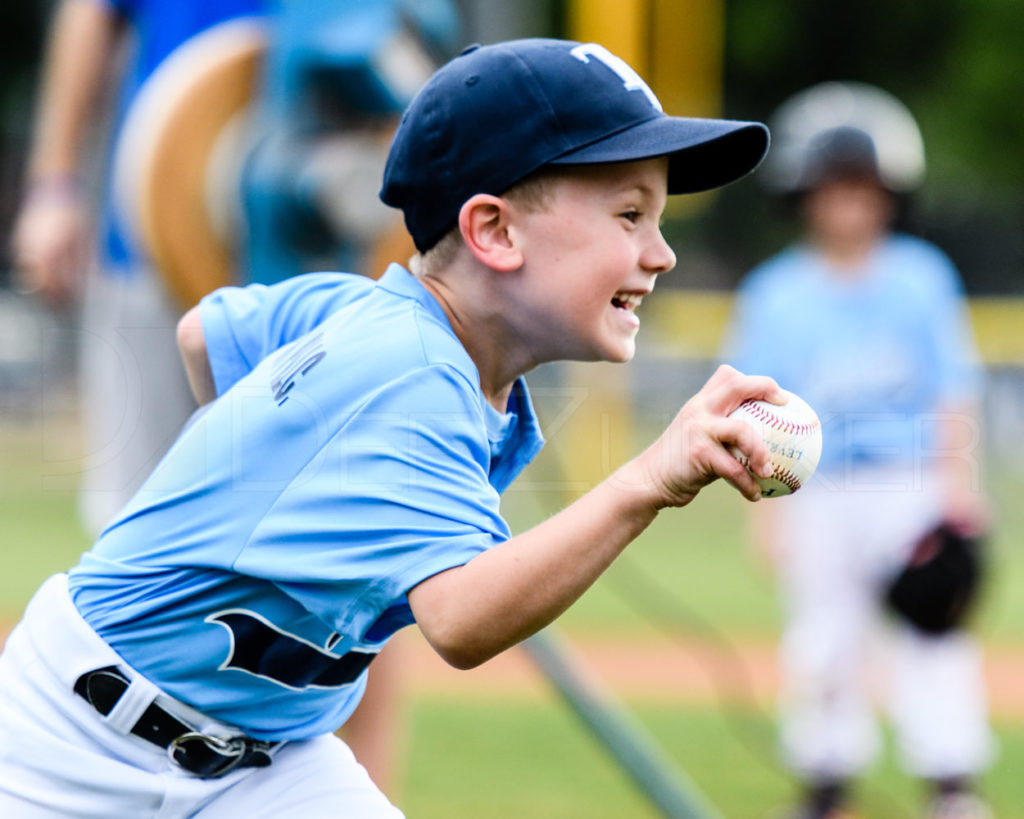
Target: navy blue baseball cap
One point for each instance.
(496, 113)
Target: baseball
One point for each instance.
(792, 433)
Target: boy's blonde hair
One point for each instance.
(531, 194)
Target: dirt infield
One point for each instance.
(741, 673)
(654, 669)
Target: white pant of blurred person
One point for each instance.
(134, 396)
(835, 548)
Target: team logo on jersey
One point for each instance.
(299, 361)
(259, 648)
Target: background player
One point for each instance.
(133, 394)
(869, 326)
(198, 657)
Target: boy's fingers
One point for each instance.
(728, 388)
(737, 475)
(739, 437)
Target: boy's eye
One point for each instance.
(632, 216)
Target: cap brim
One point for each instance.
(703, 153)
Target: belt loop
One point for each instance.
(139, 696)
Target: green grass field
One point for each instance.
(487, 757)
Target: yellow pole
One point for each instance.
(676, 45)
(619, 25)
(686, 48)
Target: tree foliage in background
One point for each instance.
(955, 63)
(21, 33)
(22, 24)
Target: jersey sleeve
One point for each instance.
(243, 325)
(399, 494)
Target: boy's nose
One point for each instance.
(659, 258)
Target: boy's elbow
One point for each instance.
(192, 346)
(458, 654)
(189, 335)
(462, 634)
(451, 641)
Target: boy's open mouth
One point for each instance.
(626, 301)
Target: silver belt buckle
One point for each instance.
(233, 749)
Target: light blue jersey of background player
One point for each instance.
(873, 354)
(256, 548)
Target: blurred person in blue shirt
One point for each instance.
(869, 326)
(133, 393)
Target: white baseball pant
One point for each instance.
(840, 539)
(60, 758)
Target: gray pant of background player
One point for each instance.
(133, 391)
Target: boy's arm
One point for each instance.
(192, 346)
(473, 612)
(960, 456)
(50, 237)
(960, 375)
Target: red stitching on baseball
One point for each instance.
(786, 477)
(778, 473)
(761, 413)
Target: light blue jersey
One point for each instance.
(875, 354)
(243, 325)
(267, 558)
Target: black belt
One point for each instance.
(204, 755)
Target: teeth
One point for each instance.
(628, 301)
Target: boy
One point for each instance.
(868, 325)
(196, 661)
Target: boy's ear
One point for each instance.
(484, 223)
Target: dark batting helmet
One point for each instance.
(843, 128)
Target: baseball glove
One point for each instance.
(936, 590)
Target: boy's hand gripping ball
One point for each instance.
(792, 433)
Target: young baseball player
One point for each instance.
(868, 324)
(197, 660)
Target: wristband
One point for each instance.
(58, 188)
